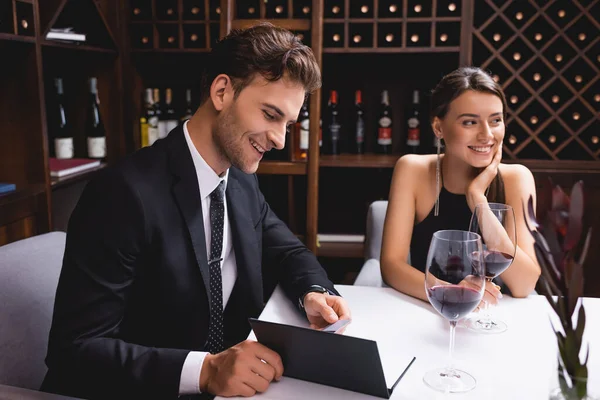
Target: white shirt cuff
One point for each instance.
(190, 373)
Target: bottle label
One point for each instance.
(96, 147)
(413, 137)
(335, 131)
(304, 135)
(63, 147)
(360, 131)
(384, 136)
(385, 122)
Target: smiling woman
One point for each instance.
(468, 110)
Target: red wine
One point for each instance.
(452, 301)
(496, 263)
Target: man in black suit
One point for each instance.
(167, 252)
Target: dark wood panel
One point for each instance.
(339, 249)
(22, 149)
(18, 230)
(359, 160)
(281, 168)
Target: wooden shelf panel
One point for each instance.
(425, 49)
(282, 168)
(22, 193)
(391, 20)
(359, 160)
(341, 249)
(170, 50)
(291, 24)
(78, 47)
(571, 166)
(70, 179)
(17, 38)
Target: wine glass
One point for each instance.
(495, 223)
(454, 283)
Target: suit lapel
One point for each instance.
(244, 240)
(187, 195)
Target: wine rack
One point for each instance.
(545, 54)
(174, 25)
(391, 26)
(17, 20)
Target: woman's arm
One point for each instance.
(397, 231)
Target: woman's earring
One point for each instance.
(438, 167)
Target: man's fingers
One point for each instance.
(256, 382)
(340, 306)
(264, 369)
(327, 313)
(272, 358)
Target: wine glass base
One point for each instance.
(449, 381)
(477, 324)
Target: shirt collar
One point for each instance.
(208, 180)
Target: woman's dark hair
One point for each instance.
(262, 49)
(453, 85)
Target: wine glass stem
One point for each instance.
(486, 317)
(451, 347)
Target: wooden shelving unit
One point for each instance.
(340, 249)
(359, 160)
(545, 54)
(30, 64)
(282, 168)
(73, 178)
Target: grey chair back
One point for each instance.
(29, 271)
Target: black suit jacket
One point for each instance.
(132, 298)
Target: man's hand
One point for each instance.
(242, 370)
(323, 309)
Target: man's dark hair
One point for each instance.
(262, 49)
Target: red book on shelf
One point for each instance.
(64, 167)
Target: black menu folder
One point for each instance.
(327, 358)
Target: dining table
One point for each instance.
(520, 363)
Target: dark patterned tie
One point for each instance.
(217, 215)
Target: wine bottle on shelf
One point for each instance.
(151, 118)
(162, 123)
(188, 112)
(384, 125)
(320, 134)
(413, 139)
(168, 113)
(96, 135)
(333, 125)
(303, 133)
(360, 123)
(63, 140)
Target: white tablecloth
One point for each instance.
(517, 364)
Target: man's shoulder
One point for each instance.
(140, 170)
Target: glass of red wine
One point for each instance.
(495, 223)
(454, 282)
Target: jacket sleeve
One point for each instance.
(105, 240)
(295, 267)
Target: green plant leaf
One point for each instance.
(565, 319)
(580, 322)
(575, 285)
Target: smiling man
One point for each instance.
(167, 253)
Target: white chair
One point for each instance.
(29, 271)
(370, 273)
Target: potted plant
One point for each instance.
(561, 249)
